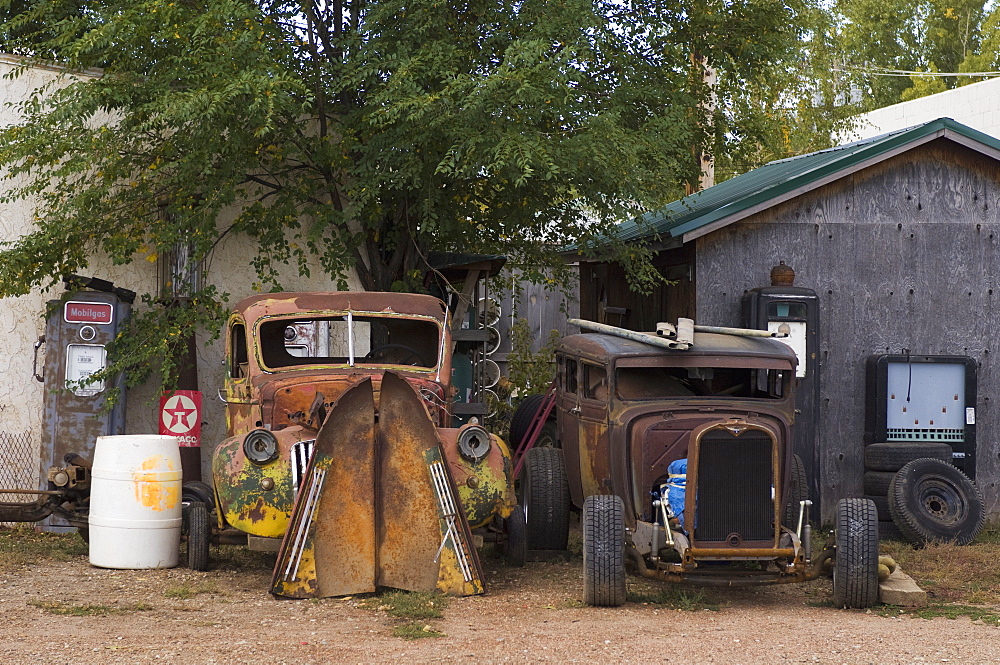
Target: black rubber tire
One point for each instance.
(520, 423)
(881, 507)
(895, 455)
(877, 482)
(932, 501)
(603, 551)
(199, 534)
(523, 415)
(798, 491)
(545, 497)
(855, 570)
(515, 544)
(195, 490)
(887, 530)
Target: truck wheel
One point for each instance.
(855, 570)
(199, 533)
(523, 415)
(546, 499)
(798, 492)
(515, 544)
(895, 455)
(195, 490)
(932, 501)
(603, 551)
(520, 423)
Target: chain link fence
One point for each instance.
(18, 468)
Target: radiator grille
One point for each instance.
(301, 452)
(735, 488)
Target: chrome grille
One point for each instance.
(735, 492)
(301, 453)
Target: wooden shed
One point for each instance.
(897, 234)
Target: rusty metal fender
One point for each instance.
(244, 501)
(486, 486)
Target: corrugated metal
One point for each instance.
(780, 177)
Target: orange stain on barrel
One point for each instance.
(150, 490)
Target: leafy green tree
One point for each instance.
(985, 58)
(880, 40)
(358, 136)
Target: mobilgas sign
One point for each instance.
(88, 312)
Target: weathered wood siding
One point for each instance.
(544, 307)
(903, 254)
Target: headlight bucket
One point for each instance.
(260, 446)
(474, 443)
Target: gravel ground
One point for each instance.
(530, 615)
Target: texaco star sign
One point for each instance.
(179, 414)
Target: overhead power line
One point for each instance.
(881, 71)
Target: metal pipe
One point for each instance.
(802, 514)
(645, 338)
(740, 332)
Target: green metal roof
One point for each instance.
(784, 178)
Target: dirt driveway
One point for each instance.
(532, 614)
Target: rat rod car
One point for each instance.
(681, 463)
(289, 358)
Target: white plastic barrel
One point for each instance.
(135, 502)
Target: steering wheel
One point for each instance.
(412, 356)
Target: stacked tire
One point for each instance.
(882, 462)
(919, 495)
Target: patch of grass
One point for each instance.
(408, 604)
(415, 631)
(68, 609)
(673, 597)
(22, 545)
(952, 573)
(986, 615)
(185, 591)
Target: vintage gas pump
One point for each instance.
(782, 307)
(78, 329)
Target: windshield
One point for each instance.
(639, 383)
(349, 339)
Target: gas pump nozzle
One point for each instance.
(79, 281)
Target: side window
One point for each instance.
(595, 382)
(570, 380)
(238, 351)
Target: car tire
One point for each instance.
(520, 423)
(881, 506)
(545, 494)
(199, 534)
(887, 530)
(798, 492)
(523, 415)
(603, 551)
(855, 570)
(932, 501)
(515, 544)
(895, 455)
(876, 483)
(195, 490)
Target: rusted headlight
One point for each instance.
(474, 443)
(260, 446)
